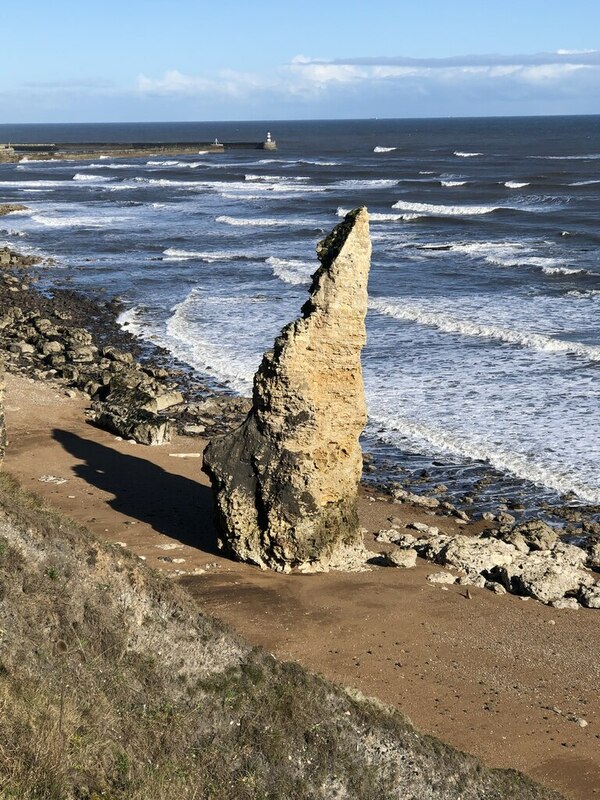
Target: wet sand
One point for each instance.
(493, 675)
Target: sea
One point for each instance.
(482, 368)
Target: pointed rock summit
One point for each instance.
(286, 480)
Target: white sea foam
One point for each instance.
(211, 355)
(449, 324)
(502, 254)
(109, 166)
(130, 320)
(587, 157)
(515, 184)
(319, 163)
(453, 183)
(588, 294)
(79, 176)
(291, 270)
(384, 149)
(175, 254)
(584, 183)
(366, 184)
(476, 448)
(266, 222)
(462, 154)
(169, 164)
(77, 221)
(275, 178)
(376, 216)
(565, 271)
(442, 210)
(42, 184)
(286, 161)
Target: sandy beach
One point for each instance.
(499, 677)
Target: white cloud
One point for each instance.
(304, 76)
(563, 82)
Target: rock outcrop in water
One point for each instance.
(286, 481)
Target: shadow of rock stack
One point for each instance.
(286, 481)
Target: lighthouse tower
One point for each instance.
(269, 143)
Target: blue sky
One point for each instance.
(195, 60)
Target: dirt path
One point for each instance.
(484, 674)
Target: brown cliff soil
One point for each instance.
(493, 675)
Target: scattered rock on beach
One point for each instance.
(405, 559)
(527, 559)
(442, 577)
(403, 496)
(286, 481)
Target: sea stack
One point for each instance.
(286, 480)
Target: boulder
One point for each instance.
(401, 495)
(536, 534)
(546, 576)
(286, 480)
(132, 423)
(405, 559)
(474, 554)
(590, 596)
(163, 401)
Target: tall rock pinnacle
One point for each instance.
(286, 480)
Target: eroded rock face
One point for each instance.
(286, 481)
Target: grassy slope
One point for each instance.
(113, 685)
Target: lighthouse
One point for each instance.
(269, 143)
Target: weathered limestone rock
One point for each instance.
(530, 560)
(286, 481)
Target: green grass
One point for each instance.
(114, 686)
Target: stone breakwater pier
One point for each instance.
(15, 152)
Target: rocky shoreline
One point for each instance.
(137, 391)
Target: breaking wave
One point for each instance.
(77, 222)
(375, 216)
(384, 149)
(363, 183)
(275, 178)
(449, 324)
(263, 222)
(515, 184)
(174, 254)
(565, 271)
(291, 270)
(462, 154)
(79, 176)
(587, 157)
(445, 211)
(519, 464)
